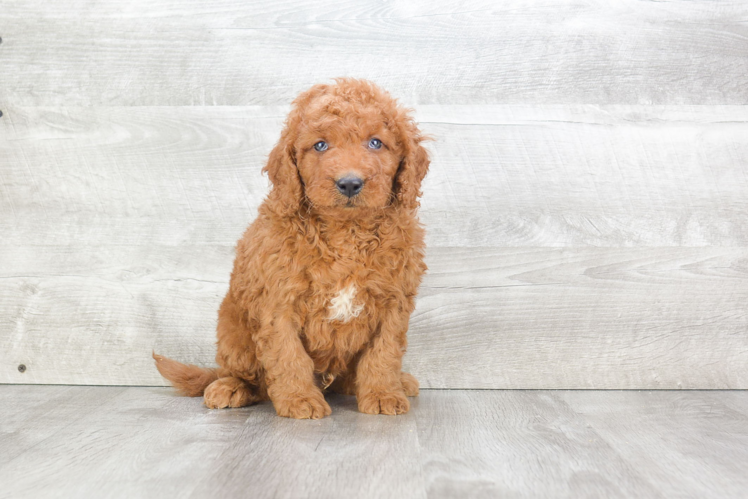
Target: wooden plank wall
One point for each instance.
(587, 207)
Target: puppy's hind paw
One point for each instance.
(229, 392)
(410, 384)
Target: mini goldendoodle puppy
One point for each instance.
(325, 278)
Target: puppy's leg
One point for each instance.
(230, 392)
(289, 371)
(379, 379)
(346, 384)
(240, 376)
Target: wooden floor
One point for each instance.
(63, 441)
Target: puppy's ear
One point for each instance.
(283, 173)
(413, 168)
(288, 187)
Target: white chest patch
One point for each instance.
(342, 308)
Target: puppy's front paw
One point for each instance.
(384, 403)
(228, 392)
(311, 406)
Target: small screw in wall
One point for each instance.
(21, 368)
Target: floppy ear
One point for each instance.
(412, 170)
(285, 197)
(288, 188)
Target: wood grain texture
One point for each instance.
(612, 176)
(149, 443)
(701, 434)
(582, 319)
(586, 207)
(145, 442)
(486, 318)
(606, 245)
(589, 444)
(323, 459)
(232, 52)
(492, 444)
(29, 417)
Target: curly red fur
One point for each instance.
(323, 285)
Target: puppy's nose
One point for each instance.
(350, 186)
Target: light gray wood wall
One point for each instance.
(587, 206)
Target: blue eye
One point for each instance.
(375, 144)
(321, 146)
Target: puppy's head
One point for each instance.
(346, 147)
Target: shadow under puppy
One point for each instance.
(325, 278)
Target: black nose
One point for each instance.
(350, 186)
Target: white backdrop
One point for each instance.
(587, 206)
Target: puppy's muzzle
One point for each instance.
(350, 186)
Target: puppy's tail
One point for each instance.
(189, 380)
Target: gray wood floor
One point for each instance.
(67, 441)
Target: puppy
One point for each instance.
(325, 278)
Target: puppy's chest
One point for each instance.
(341, 289)
(346, 297)
(349, 282)
(345, 305)
(339, 318)
(339, 299)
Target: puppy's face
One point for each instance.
(347, 153)
(345, 149)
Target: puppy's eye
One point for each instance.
(375, 144)
(321, 146)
